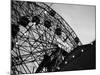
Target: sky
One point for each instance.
(81, 19)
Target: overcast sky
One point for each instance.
(81, 18)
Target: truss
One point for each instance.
(41, 38)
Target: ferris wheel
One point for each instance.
(41, 40)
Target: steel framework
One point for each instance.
(41, 39)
